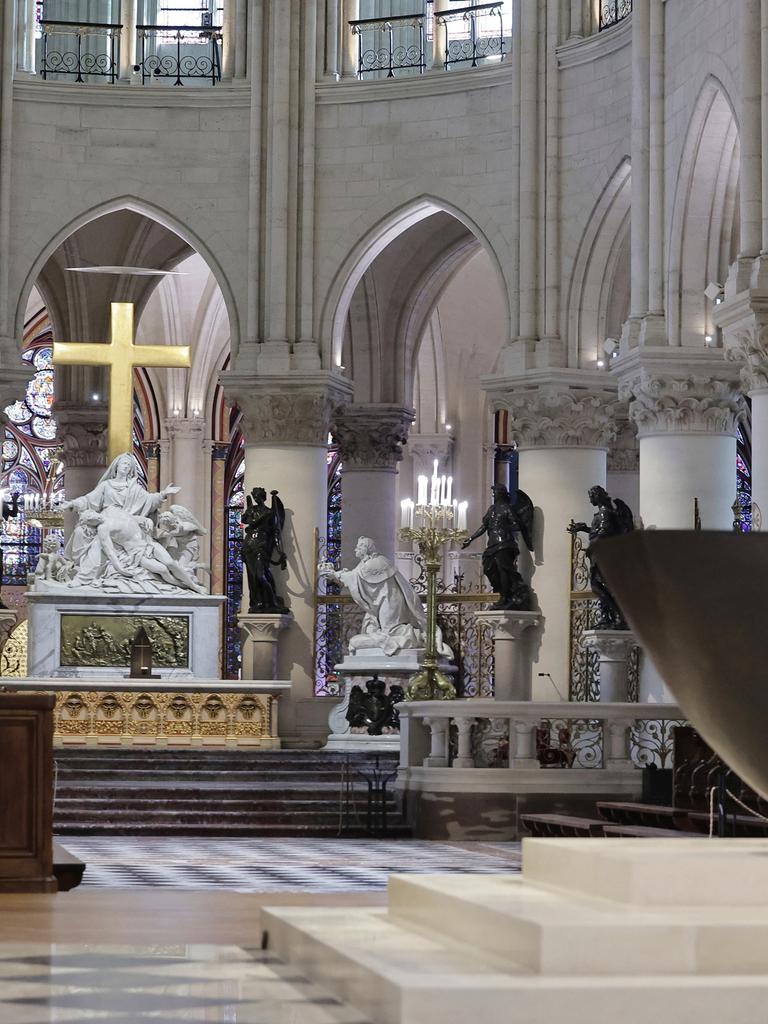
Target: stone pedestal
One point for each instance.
(613, 647)
(84, 634)
(511, 652)
(7, 623)
(356, 668)
(259, 635)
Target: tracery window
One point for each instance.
(744, 482)
(234, 476)
(31, 465)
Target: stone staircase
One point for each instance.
(162, 792)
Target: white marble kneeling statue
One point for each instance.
(395, 620)
(120, 545)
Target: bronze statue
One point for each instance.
(10, 509)
(263, 538)
(503, 520)
(612, 518)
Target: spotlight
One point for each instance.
(610, 345)
(714, 292)
(94, 397)
(600, 364)
(708, 339)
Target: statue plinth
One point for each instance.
(512, 656)
(259, 637)
(82, 634)
(613, 647)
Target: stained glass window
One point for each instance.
(744, 479)
(235, 501)
(30, 461)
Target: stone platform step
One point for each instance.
(630, 930)
(150, 791)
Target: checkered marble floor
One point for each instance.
(278, 865)
(129, 984)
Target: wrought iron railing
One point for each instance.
(613, 11)
(81, 61)
(476, 46)
(391, 46)
(195, 53)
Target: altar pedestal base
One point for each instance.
(635, 930)
(613, 647)
(259, 634)
(82, 634)
(7, 623)
(511, 652)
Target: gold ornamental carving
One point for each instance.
(188, 718)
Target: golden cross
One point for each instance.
(121, 356)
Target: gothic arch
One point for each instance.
(704, 223)
(150, 211)
(377, 229)
(594, 274)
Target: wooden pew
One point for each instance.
(26, 793)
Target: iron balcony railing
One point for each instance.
(613, 11)
(95, 49)
(475, 46)
(184, 58)
(390, 45)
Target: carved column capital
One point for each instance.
(294, 409)
(660, 404)
(560, 416)
(191, 427)
(749, 346)
(83, 442)
(372, 436)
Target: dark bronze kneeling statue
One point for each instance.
(502, 522)
(263, 539)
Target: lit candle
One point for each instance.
(405, 513)
(449, 498)
(421, 493)
(443, 490)
(463, 514)
(434, 498)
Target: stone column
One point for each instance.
(152, 455)
(512, 675)
(219, 524)
(188, 471)
(563, 433)
(84, 444)
(687, 432)
(259, 643)
(370, 439)
(350, 11)
(750, 178)
(25, 36)
(127, 38)
(529, 269)
(613, 647)
(640, 149)
(286, 421)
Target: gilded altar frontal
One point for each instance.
(104, 641)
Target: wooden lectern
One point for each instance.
(26, 792)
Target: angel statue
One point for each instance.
(503, 520)
(612, 518)
(263, 539)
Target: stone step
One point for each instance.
(179, 806)
(217, 829)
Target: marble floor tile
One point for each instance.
(206, 984)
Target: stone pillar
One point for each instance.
(656, 268)
(286, 421)
(577, 19)
(687, 431)
(640, 150)
(152, 454)
(350, 11)
(511, 652)
(260, 635)
(188, 471)
(613, 647)
(563, 434)
(25, 36)
(127, 38)
(750, 178)
(219, 524)
(84, 444)
(529, 170)
(370, 439)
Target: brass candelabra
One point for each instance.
(433, 528)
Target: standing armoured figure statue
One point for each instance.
(611, 519)
(263, 537)
(503, 520)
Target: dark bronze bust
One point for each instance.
(612, 518)
(502, 522)
(263, 549)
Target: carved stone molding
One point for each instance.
(84, 444)
(428, 447)
(558, 416)
(372, 436)
(185, 427)
(750, 347)
(689, 405)
(289, 410)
